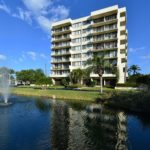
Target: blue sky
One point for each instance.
(25, 29)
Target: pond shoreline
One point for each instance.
(136, 102)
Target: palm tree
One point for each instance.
(135, 69)
(97, 64)
(76, 76)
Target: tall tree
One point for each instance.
(97, 64)
(134, 69)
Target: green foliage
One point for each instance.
(90, 83)
(44, 81)
(139, 79)
(131, 101)
(65, 82)
(74, 86)
(76, 76)
(31, 75)
(143, 79)
(134, 69)
(128, 84)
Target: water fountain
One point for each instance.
(4, 86)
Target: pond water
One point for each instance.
(42, 124)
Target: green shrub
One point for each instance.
(126, 85)
(65, 82)
(131, 101)
(73, 86)
(90, 83)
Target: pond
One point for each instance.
(43, 124)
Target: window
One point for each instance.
(123, 60)
(78, 63)
(77, 32)
(86, 22)
(76, 25)
(77, 40)
(99, 20)
(114, 16)
(76, 56)
(76, 48)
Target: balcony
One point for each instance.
(122, 28)
(122, 46)
(74, 67)
(104, 75)
(63, 38)
(123, 19)
(123, 37)
(105, 22)
(105, 39)
(61, 46)
(60, 54)
(59, 75)
(97, 49)
(111, 57)
(75, 59)
(105, 30)
(60, 68)
(60, 61)
(62, 31)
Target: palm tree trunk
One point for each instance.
(101, 83)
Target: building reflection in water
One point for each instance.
(75, 127)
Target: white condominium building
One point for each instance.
(75, 41)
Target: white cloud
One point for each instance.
(43, 56)
(23, 15)
(32, 55)
(136, 49)
(59, 12)
(4, 7)
(2, 57)
(37, 6)
(146, 56)
(43, 12)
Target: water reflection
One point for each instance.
(40, 124)
(76, 128)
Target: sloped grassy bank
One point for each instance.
(138, 102)
(58, 94)
(133, 101)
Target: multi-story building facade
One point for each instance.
(74, 41)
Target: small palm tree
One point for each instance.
(134, 69)
(97, 65)
(76, 76)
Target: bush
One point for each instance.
(73, 86)
(44, 81)
(143, 79)
(126, 85)
(131, 101)
(65, 82)
(90, 83)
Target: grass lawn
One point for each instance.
(59, 94)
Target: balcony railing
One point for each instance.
(59, 61)
(61, 38)
(101, 22)
(61, 45)
(60, 53)
(104, 29)
(104, 38)
(60, 68)
(61, 30)
(104, 48)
